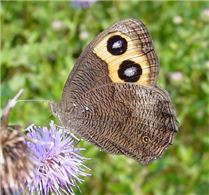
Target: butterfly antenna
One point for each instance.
(33, 101)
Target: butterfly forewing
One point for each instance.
(124, 52)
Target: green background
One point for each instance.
(38, 57)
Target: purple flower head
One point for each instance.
(205, 15)
(59, 163)
(177, 76)
(58, 25)
(76, 4)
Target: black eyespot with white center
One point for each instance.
(145, 139)
(116, 45)
(129, 71)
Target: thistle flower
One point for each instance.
(84, 35)
(59, 163)
(177, 20)
(15, 165)
(205, 15)
(58, 25)
(176, 78)
(82, 3)
(207, 64)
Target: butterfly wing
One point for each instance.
(135, 120)
(111, 99)
(124, 52)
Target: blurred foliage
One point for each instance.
(40, 42)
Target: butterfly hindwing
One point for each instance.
(135, 120)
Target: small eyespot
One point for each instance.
(67, 111)
(145, 139)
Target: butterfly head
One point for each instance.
(55, 108)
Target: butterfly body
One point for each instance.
(111, 99)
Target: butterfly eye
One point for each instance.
(145, 139)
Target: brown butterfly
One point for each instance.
(111, 98)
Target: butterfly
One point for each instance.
(111, 98)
